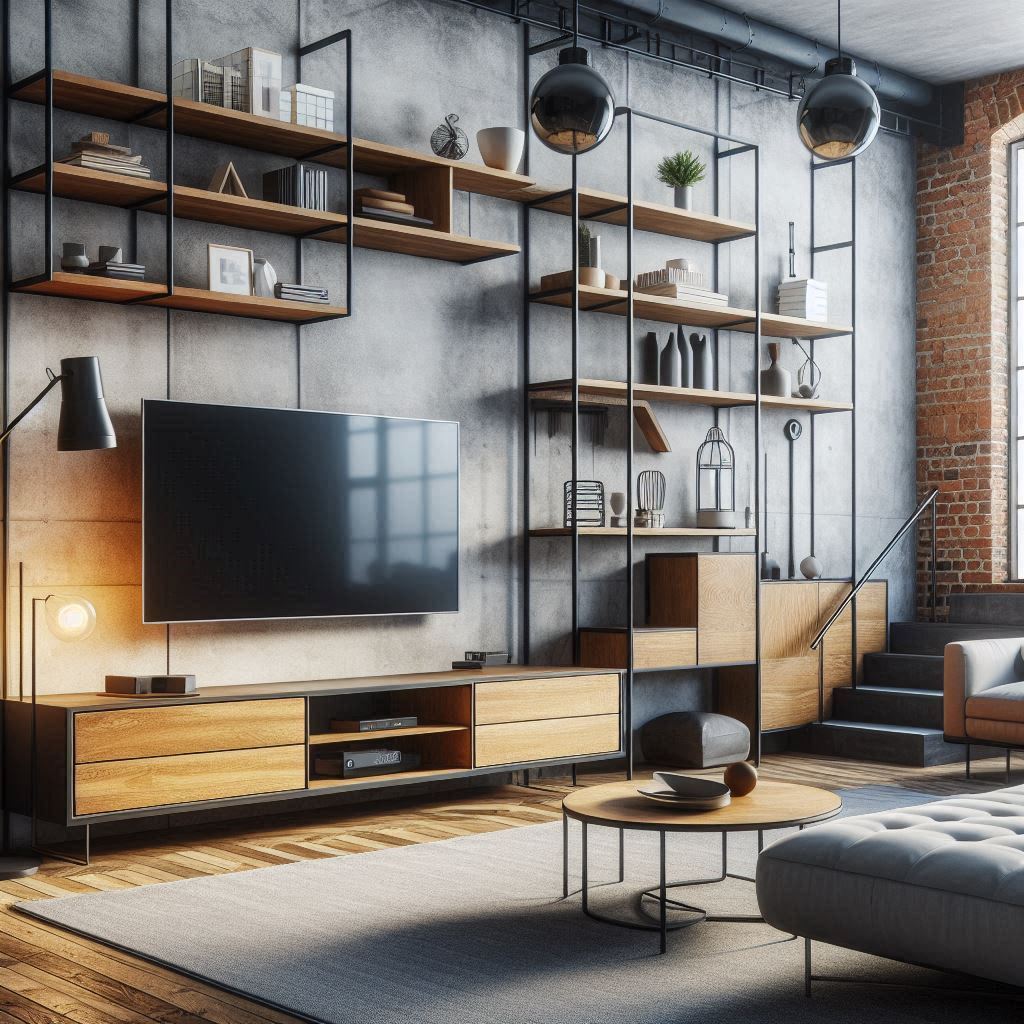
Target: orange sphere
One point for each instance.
(741, 778)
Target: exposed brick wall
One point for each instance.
(962, 383)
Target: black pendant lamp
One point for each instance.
(839, 114)
(572, 108)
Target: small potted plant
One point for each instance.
(590, 257)
(682, 171)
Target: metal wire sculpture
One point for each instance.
(448, 141)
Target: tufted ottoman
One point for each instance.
(940, 884)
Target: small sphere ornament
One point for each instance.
(572, 108)
(741, 778)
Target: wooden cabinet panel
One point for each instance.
(187, 778)
(872, 621)
(789, 668)
(789, 693)
(192, 729)
(837, 647)
(652, 648)
(671, 590)
(568, 697)
(518, 742)
(726, 608)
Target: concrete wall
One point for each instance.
(436, 340)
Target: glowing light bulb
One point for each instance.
(70, 618)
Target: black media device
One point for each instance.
(358, 764)
(284, 513)
(148, 686)
(373, 724)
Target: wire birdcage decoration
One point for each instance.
(716, 482)
(448, 141)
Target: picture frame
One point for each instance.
(229, 269)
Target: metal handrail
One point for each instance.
(929, 501)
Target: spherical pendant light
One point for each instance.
(572, 108)
(838, 115)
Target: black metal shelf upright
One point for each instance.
(735, 147)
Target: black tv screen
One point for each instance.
(283, 513)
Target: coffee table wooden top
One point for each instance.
(770, 805)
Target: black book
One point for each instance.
(396, 218)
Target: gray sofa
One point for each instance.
(940, 884)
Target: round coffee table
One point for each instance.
(617, 805)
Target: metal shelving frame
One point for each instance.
(735, 147)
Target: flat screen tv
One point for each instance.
(283, 513)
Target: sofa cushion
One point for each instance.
(1001, 703)
(941, 884)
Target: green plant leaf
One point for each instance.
(681, 169)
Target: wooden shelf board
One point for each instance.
(654, 217)
(649, 307)
(616, 390)
(422, 775)
(620, 531)
(773, 325)
(84, 286)
(329, 738)
(199, 300)
(91, 186)
(119, 102)
(426, 242)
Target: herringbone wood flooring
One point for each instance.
(51, 977)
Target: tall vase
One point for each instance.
(775, 379)
(670, 369)
(703, 362)
(684, 197)
(650, 353)
(686, 360)
(264, 277)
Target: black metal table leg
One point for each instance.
(664, 901)
(622, 854)
(584, 866)
(565, 855)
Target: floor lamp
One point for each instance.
(84, 426)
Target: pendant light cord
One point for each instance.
(839, 27)
(576, 23)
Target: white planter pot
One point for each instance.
(501, 148)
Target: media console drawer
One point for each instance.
(529, 700)
(188, 729)
(519, 742)
(187, 778)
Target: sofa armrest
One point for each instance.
(972, 666)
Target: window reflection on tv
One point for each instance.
(283, 513)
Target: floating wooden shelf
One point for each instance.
(328, 738)
(659, 308)
(83, 286)
(199, 300)
(654, 217)
(119, 102)
(640, 531)
(643, 414)
(320, 782)
(644, 393)
(79, 183)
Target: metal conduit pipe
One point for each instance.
(740, 33)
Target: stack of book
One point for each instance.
(804, 298)
(95, 152)
(670, 275)
(122, 271)
(300, 293)
(377, 204)
(681, 285)
(297, 185)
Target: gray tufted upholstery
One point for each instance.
(940, 884)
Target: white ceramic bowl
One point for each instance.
(501, 148)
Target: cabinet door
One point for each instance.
(726, 608)
(789, 669)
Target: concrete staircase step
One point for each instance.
(1003, 609)
(918, 671)
(932, 637)
(889, 705)
(909, 745)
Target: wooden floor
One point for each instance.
(48, 976)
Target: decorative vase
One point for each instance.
(684, 197)
(811, 568)
(650, 353)
(73, 258)
(264, 277)
(110, 254)
(776, 380)
(670, 367)
(703, 362)
(501, 147)
(617, 501)
(590, 251)
(686, 359)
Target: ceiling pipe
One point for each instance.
(740, 33)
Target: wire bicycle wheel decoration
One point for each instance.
(448, 141)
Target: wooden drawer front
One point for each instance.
(194, 729)
(789, 692)
(518, 742)
(526, 701)
(187, 778)
(670, 648)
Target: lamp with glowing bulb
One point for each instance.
(84, 426)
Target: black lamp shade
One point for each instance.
(839, 114)
(572, 108)
(84, 421)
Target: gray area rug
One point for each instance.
(472, 930)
